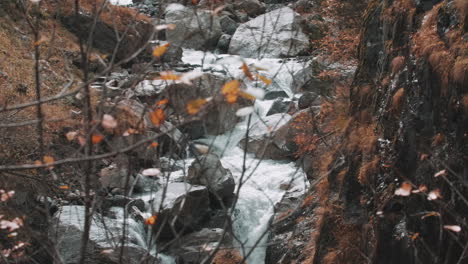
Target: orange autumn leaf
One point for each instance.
(162, 102)
(231, 90)
(160, 50)
(157, 117)
(246, 71)
(246, 95)
(96, 138)
(154, 144)
(415, 236)
(48, 160)
(264, 79)
(40, 41)
(194, 106)
(151, 220)
(169, 76)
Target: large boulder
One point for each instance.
(207, 170)
(116, 177)
(281, 105)
(105, 233)
(105, 38)
(274, 34)
(181, 208)
(228, 25)
(195, 29)
(309, 99)
(267, 138)
(196, 247)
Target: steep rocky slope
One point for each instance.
(406, 121)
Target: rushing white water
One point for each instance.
(121, 2)
(260, 189)
(259, 184)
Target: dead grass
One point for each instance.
(464, 102)
(462, 6)
(361, 138)
(227, 256)
(438, 139)
(446, 58)
(397, 64)
(367, 170)
(460, 71)
(397, 101)
(18, 86)
(117, 16)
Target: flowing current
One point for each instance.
(260, 187)
(261, 182)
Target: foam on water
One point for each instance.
(121, 2)
(261, 180)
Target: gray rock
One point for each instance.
(309, 99)
(281, 105)
(183, 208)
(195, 247)
(267, 138)
(115, 177)
(270, 95)
(223, 43)
(122, 201)
(195, 29)
(307, 80)
(209, 171)
(105, 38)
(105, 233)
(228, 25)
(274, 34)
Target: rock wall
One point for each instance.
(407, 122)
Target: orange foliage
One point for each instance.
(368, 169)
(305, 138)
(112, 15)
(397, 100)
(194, 106)
(343, 25)
(464, 102)
(438, 139)
(227, 256)
(231, 91)
(157, 117)
(362, 138)
(397, 64)
(460, 71)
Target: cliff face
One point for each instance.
(407, 121)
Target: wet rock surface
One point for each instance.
(283, 36)
(208, 171)
(195, 29)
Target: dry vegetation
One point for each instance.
(447, 57)
(17, 82)
(117, 16)
(342, 20)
